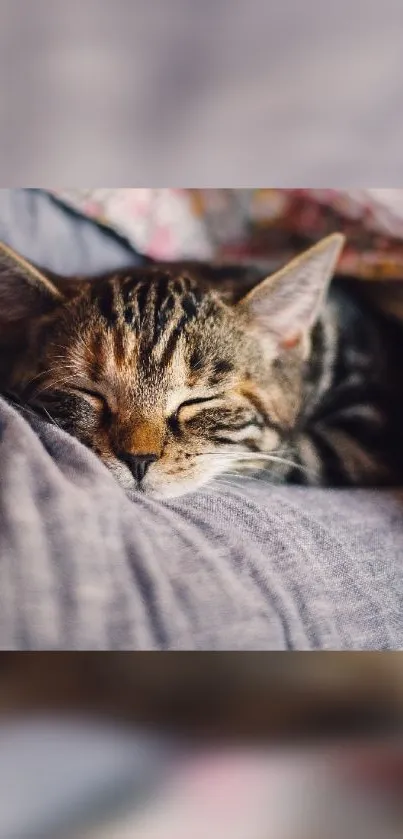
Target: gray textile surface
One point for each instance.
(32, 223)
(82, 566)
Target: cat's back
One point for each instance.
(352, 429)
(369, 341)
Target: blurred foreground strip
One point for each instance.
(59, 773)
(255, 697)
(240, 795)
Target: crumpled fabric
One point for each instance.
(254, 224)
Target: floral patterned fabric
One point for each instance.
(158, 222)
(254, 224)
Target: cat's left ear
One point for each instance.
(25, 291)
(286, 305)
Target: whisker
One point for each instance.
(239, 478)
(15, 399)
(39, 375)
(228, 454)
(276, 459)
(31, 410)
(256, 458)
(65, 380)
(251, 456)
(284, 461)
(52, 419)
(30, 384)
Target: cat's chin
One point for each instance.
(164, 491)
(157, 488)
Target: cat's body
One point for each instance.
(352, 420)
(175, 375)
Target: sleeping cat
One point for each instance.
(175, 375)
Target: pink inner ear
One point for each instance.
(290, 343)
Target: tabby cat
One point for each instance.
(174, 375)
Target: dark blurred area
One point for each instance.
(201, 94)
(275, 698)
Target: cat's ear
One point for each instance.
(286, 305)
(25, 291)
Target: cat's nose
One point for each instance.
(138, 464)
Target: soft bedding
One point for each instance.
(83, 566)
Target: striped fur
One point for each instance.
(350, 430)
(167, 375)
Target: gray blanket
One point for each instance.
(83, 566)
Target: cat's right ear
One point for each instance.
(25, 291)
(287, 304)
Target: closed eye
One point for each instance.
(91, 395)
(184, 411)
(197, 401)
(192, 407)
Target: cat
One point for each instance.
(178, 374)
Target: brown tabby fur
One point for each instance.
(159, 368)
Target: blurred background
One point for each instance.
(167, 746)
(223, 92)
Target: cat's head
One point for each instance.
(169, 380)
